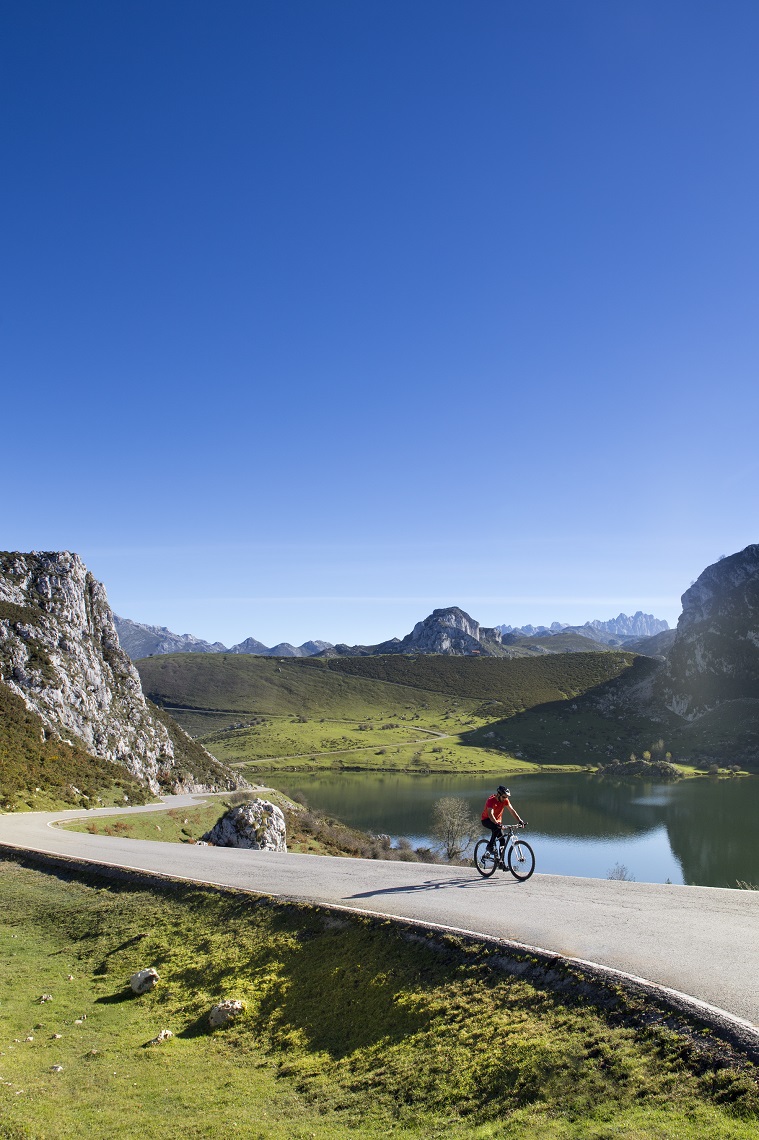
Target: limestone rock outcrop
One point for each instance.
(450, 631)
(257, 825)
(715, 657)
(59, 651)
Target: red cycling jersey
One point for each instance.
(497, 806)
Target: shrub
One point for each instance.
(620, 872)
(454, 825)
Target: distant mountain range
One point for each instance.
(449, 630)
(453, 631)
(616, 631)
(139, 640)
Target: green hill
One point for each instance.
(518, 684)
(382, 711)
(368, 686)
(211, 690)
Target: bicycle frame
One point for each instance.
(504, 842)
(507, 853)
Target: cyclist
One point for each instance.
(492, 813)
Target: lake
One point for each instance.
(698, 831)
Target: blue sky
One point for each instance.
(316, 315)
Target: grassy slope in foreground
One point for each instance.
(408, 1047)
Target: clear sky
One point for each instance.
(317, 314)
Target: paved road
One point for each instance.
(701, 941)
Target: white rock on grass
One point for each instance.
(225, 1013)
(257, 826)
(143, 981)
(164, 1035)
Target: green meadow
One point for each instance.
(350, 1027)
(393, 712)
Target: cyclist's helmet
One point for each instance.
(501, 791)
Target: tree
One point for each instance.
(453, 825)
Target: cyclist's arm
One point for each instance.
(515, 813)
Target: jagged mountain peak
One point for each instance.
(614, 631)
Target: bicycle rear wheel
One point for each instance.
(485, 861)
(521, 860)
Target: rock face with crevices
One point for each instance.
(256, 826)
(715, 657)
(59, 652)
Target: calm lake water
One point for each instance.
(698, 831)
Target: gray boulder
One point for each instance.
(257, 825)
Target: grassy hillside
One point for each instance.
(621, 716)
(570, 708)
(276, 686)
(516, 684)
(38, 771)
(351, 1028)
(365, 712)
(344, 687)
(585, 729)
(563, 643)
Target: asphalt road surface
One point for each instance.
(700, 941)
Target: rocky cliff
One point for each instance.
(60, 653)
(715, 657)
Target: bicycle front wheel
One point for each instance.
(485, 861)
(521, 860)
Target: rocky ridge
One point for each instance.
(60, 653)
(715, 657)
(140, 640)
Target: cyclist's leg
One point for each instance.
(494, 831)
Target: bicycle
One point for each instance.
(517, 853)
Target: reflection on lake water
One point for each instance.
(696, 831)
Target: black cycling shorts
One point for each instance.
(495, 829)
